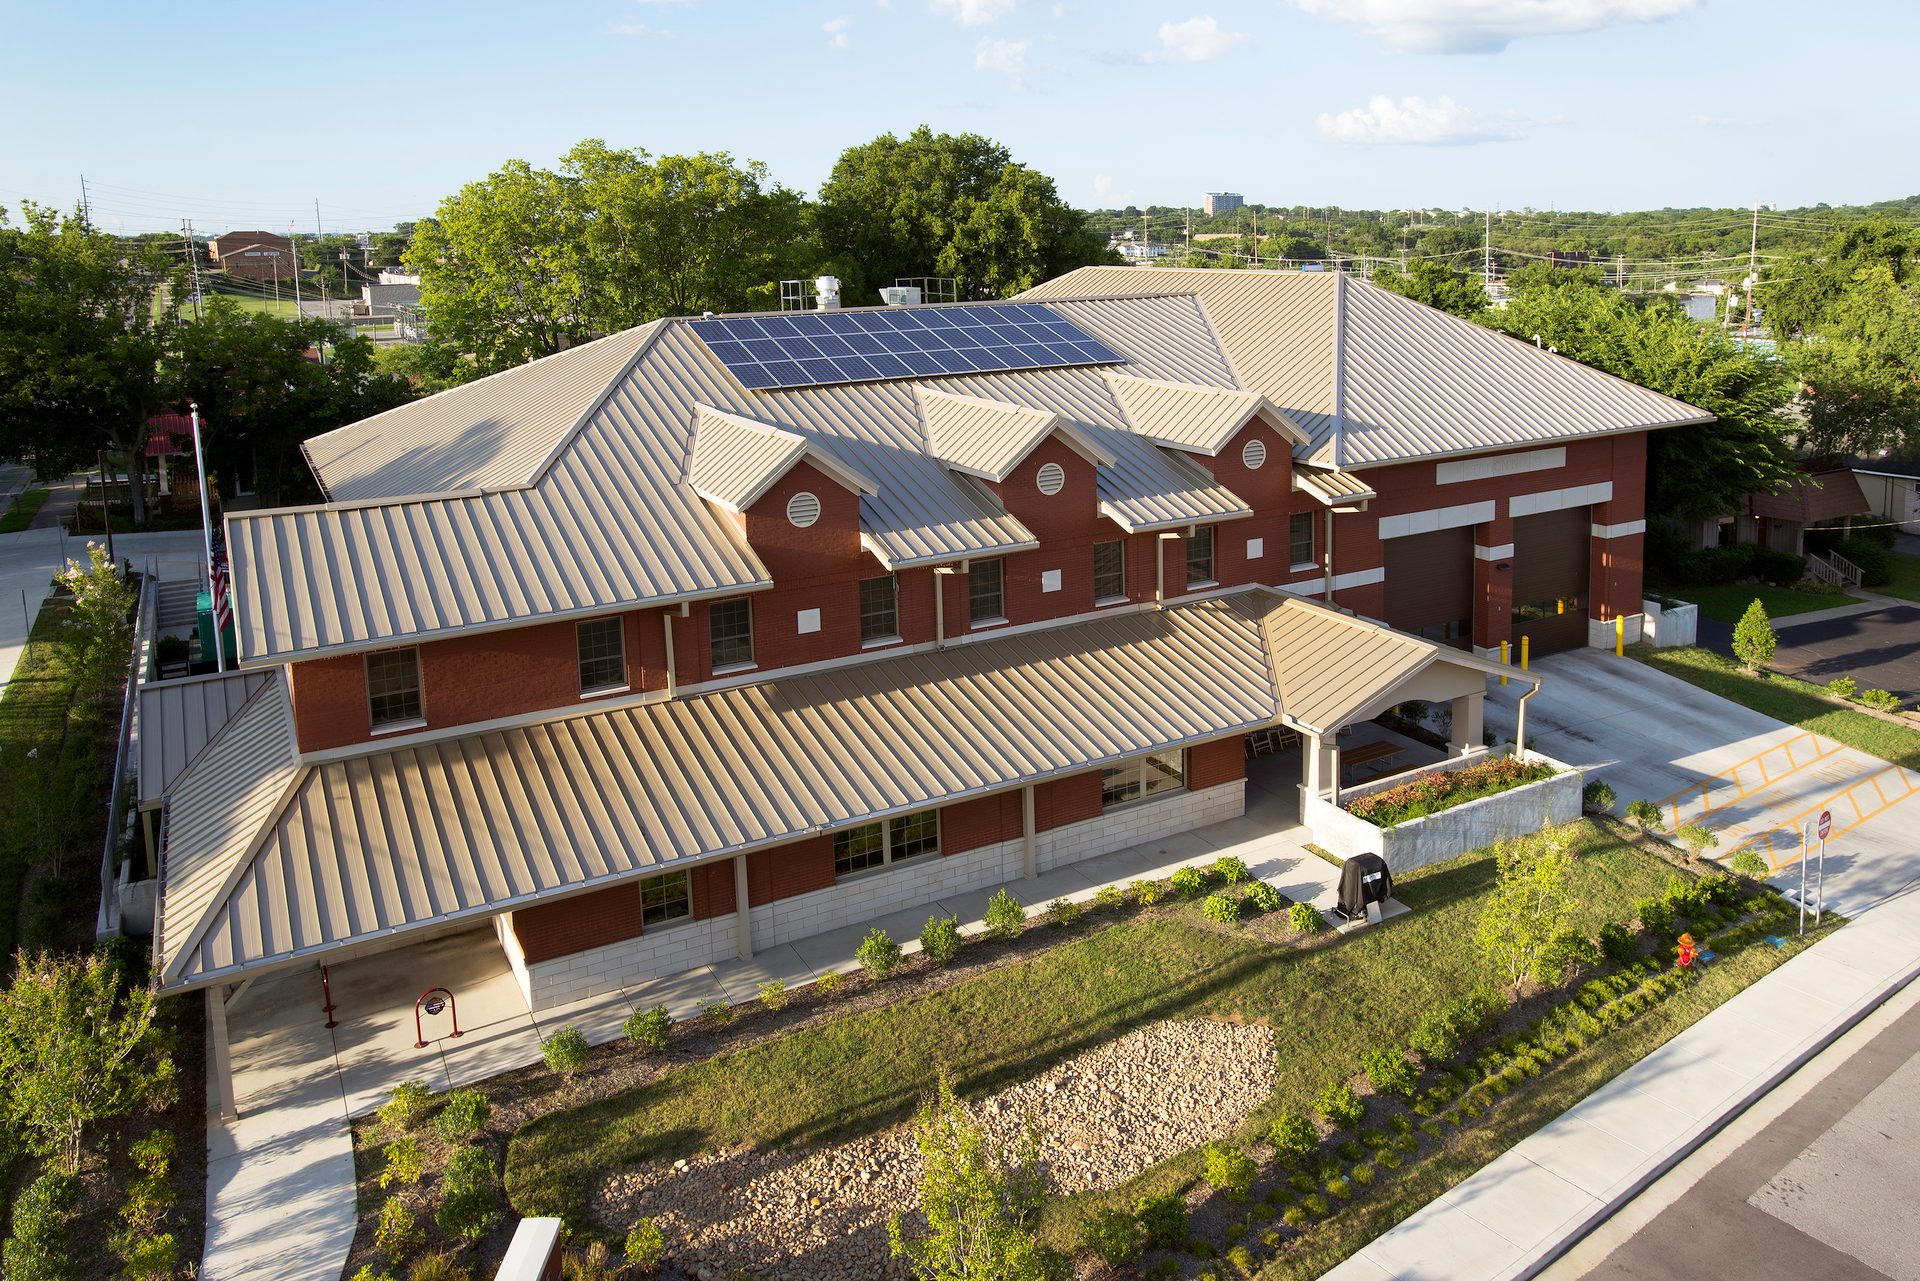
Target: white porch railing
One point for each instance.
(1833, 568)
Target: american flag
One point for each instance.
(222, 605)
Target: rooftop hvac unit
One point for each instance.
(826, 292)
(900, 296)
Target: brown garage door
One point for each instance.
(1551, 553)
(1430, 585)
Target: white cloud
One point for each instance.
(974, 13)
(1102, 184)
(1415, 122)
(837, 29)
(1484, 26)
(640, 31)
(1008, 57)
(1195, 40)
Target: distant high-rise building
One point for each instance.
(1217, 202)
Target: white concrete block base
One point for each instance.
(1600, 633)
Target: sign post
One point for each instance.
(1806, 838)
(1820, 884)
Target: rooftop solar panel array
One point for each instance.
(810, 349)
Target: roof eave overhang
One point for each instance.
(1353, 465)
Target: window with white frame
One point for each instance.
(1300, 538)
(1141, 779)
(665, 899)
(986, 598)
(879, 608)
(1110, 570)
(730, 632)
(603, 654)
(393, 687)
(871, 845)
(1200, 556)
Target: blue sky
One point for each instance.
(379, 110)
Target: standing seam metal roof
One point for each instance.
(178, 718)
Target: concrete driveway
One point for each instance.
(1749, 778)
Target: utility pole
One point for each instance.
(1256, 236)
(296, 271)
(1189, 229)
(1753, 265)
(86, 209)
(1486, 254)
(193, 256)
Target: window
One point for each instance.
(665, 898)
(603, 654)
(1141, 779)
(1200, 556)
(879, 608)
(393, 687)
(871, 845)
(730, 632)
(985, 600)
(1109, 570)
(1300, 539)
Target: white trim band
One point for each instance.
(1358, 578)
(1465, 469)
(1554, 500)
(1435, 518)
(1503, 552)
(1622, 530)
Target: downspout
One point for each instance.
(1030, 861)
(1520, 731)
(1326, 553)
(666, 619)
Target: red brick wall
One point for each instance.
(547, 930)
(986, 820)
(788, 870)
(1058, 802)
(712, 889)
(1214, 763)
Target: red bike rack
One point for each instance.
(453, 1007)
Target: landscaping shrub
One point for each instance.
(646, 1247)
(468, 1205)
(1876, 566)
(439, 1266)
(1063, 912)
(1228, 1169)
(1339, 1188)
(1293, 1138)
(1439, 1035)
(1304, 917)
(828, 984)
(1844, 686)
(718, 1011)
(1340, 1105)
(37, 1250)
(1189, 882)
(1229, 870)
(1004, 915)
(1717, 887)
(773, 995)
(1294, 1217)
(1390, 1158)
(1683, 897)
(1565, 955)
(879, 955)
(1315, 1204)
(1781, 569)
(1350, 1150)
(1145, 893)
(1221, 908)
(1753, 637)
(1362, 1175)
(649, 1029)
(1114, 1236)
(1696, 839)
(1616, 943)
(1389, 1072)
(1109, 898)
(1597, 797)
(1749, 864)
(1880, 700)
(462, 1116)
(565, 1052)
(405, 1107)
(1645, 815)
(1438, 790)
(404, 1162)
(940, 939)
(1164, 1219)
(397, 1233)
(1261, 897)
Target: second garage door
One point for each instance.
(1551, 553)
(1430, 585)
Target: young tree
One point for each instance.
(1437, 285)
(1753, 637)
(69, 1036)
(1860, 369)
(979, 1202)
(102, 600)
(1530, 907)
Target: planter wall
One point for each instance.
(1452, 832)
(1670, 626)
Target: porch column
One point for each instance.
(220, 1057)
(742, 910)
(1030, 847)
(1469, 723)
(1322, 764)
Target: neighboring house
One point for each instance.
(1779, 522)
(716, 634)
(1891, 486)
(384, 299)
(255, 255)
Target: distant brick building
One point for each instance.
(1219, 202)
(255, 255)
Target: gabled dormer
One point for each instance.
(1040, 466)
(796, 503)
(1239, 438)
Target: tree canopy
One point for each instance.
(1437, 285)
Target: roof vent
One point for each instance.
(826, 293)
(803, 509)
(900, 296)
(1051, 478)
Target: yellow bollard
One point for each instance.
(1504, 659)
(1619, 635)
(1523, 652)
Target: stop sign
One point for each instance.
(1826, 823)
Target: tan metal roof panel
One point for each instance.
(735, 459)
(1327, 664)
(1198, 419)
(178, 718)
(989, 438)
(409, 838)
(1331, 485)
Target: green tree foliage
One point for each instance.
(979, 1202)
(102, 603)
(1692, 472)
(71, 1033)
(1861, 368)
(1753, 637)
(1799, 293)
(947, 205)
(1437, 285)
(1530, 906)
(427, 367)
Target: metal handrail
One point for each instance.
(106, 922)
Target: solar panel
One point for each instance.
(813, 349)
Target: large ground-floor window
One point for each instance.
(1139, 779)
(872, 845)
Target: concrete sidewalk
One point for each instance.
(1518, 1214)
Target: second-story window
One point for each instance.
(393, 688)
(1109, 570)
(603, 654)
(1200, 556)
(730, 632)
(879, 608)
(986, 600)
(1300, 539)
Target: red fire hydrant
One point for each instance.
(1688, 950)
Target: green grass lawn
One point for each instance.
(1727, 604)
(866, 1071)
(24, 509)
(1787, 699)
(1906, 578)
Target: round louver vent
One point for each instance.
(1051, 478)
(1254, 454)
(803, 509)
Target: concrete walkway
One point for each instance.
(280, 1186)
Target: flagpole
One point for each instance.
(206, 532)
